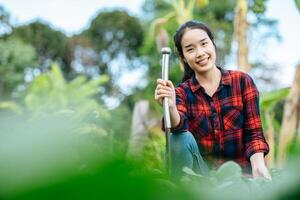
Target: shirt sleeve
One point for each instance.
(181, 107)
(253, 137)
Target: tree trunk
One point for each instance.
(240, 29)
(270, 133)
(141, 123)
(290, 121)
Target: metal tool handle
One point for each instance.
(166, 51)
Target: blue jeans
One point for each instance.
(185, 153)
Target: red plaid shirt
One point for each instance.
(226, 126)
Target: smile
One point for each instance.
(203, 61)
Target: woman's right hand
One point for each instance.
(165, 89)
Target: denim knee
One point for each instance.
(185, 152)
(183, 140)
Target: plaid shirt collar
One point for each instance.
(225, 80)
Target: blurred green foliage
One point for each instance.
(15, 57)
(272, 103)
(50, 92)
(154, 150)
(55, 130)
(297, 4)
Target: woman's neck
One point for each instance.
(212, 76)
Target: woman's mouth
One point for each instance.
(203, 61)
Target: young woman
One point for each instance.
(214, 112)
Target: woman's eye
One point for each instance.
(189, 50)
(204, 43)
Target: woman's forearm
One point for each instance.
(174, 116)
(257, 159)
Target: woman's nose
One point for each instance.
(200, 52)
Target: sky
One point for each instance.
(71, 16)
(287, 53)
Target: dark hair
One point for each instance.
(192, 24)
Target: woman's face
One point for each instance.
(198, 50)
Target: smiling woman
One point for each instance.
(214, 112)
(198, 50)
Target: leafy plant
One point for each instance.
(15, 57)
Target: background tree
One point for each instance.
(291, 120)
(15, 57)
(5, 25)
(240, 28)
(50, 45)
(112, 41)
(261, 30)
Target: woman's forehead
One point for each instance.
(191, 36)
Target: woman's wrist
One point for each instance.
(175, 117)
(257, 159)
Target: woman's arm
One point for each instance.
(255, 143)
(259, 168)
(175, 118)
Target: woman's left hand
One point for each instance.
(259, 168)
(261, 171)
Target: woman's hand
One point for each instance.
(165, 89)
(259, 168)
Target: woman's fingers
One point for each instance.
(164, 89)
(261, 172)
(165, 83)
(161, 93)
(265, 173)
(160, 89)
(169, 83)
(160, 81)
(161, 96)
(161, 84)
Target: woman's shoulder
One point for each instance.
(241, 78)
(236, 74)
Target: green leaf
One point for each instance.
(268, 100)
(229, 170)
(57, 77)
(298, 4)
(8, 105)
(189, 171)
